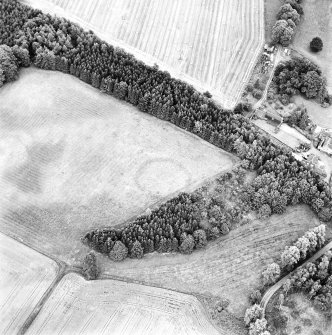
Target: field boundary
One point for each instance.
(42, 301)
(221, 97)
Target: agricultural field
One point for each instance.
(212, 44)
(74, 159)
(25, 275)
(229, 267)
(114, 307)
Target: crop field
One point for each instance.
(74, 159)
(113, 307)
(25, 275)
(212, 44)
(229, 267)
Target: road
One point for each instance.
(276, 61)
(269, 293)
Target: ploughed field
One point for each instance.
(73, 159)
(212, 44)
(102, 307)
(25, 275)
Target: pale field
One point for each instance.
(25, 275)
(286, 134)
(114, 307)
(317, 21)
(229, 267)
(74, 159)
(319, 115)
(212, 44)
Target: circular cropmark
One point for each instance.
(161, 176)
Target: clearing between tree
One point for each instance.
(113, 307)
(74, 159)
(25, 275)
(211, 44)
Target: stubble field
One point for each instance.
(25, 275)
(212, 44)
(75, 159)
(229, 267)
(113, 307)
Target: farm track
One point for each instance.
(205, 42)
(62, 271)
(273, 289)
(27, 276)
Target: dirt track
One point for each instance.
(269, 293)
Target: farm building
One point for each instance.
(273, 115)
(315, 163)
(325, 142)
(269, 48)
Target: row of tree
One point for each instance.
(288, 17)
(303, 248)
(316, 280)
